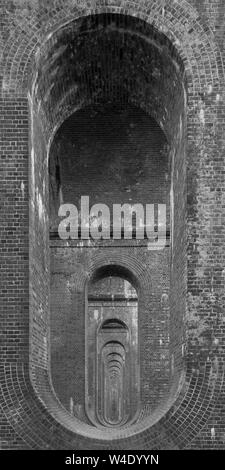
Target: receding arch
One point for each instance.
(172, 129)
(113, 323)
(22, 82)
(117, 352)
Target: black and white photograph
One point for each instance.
(112, 232)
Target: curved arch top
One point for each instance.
(172, 425)
(186, 33)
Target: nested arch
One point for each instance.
(112, 363)
(113, 323)
(24, 42)
(113, 401)
(14, 81)
(82, 54)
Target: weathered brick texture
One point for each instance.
(186, 41)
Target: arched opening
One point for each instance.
(111, 408)
(113, 324)
(112, 349)
(83, 100)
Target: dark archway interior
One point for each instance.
(110, 59)
(112, 351)
(109, 100)
(114, 154)
(88, 101)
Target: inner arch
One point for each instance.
(80, 68)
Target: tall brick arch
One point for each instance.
(37, 421)
(180, 22)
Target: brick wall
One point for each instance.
(193, 33)
(115, 154)
(70, 269)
